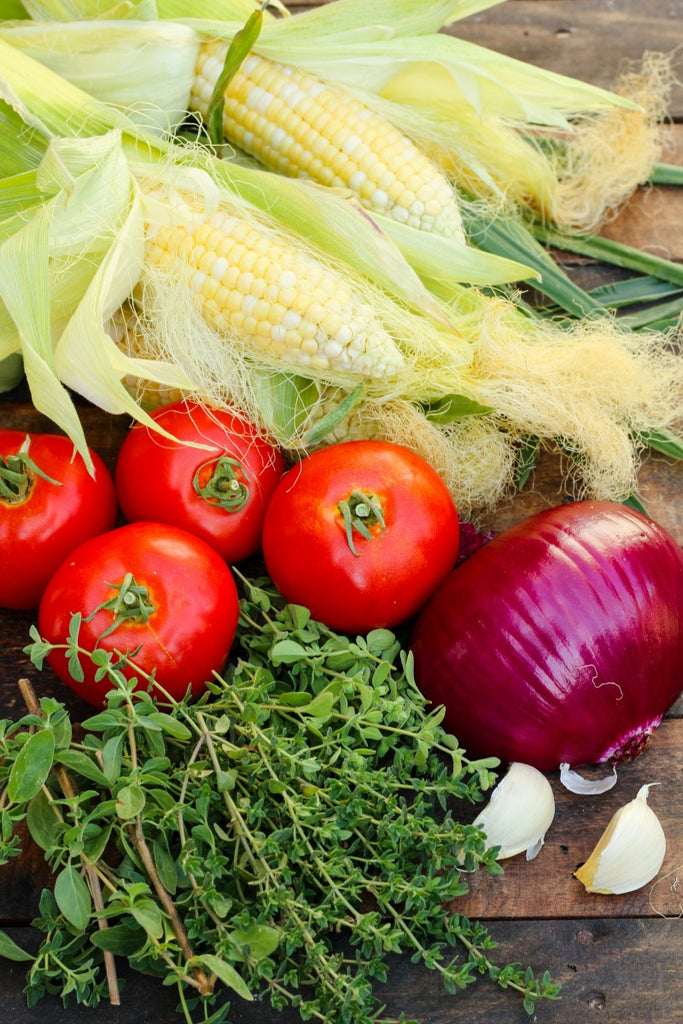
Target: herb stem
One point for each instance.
(203, 983)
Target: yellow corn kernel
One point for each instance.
(286, 304)
(296, 125)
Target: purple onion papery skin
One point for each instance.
(559, 640)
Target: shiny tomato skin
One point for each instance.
(305, 546)
(38, 532)
(154, 475)
(190, 630)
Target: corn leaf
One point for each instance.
(332, 419)
(240, 45)
(659, 317)
(666, 174)
(663, 441)
(608, 251)
(644, 288)
(508, 237)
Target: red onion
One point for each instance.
(559, 640)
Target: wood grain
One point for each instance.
(594, 40)
(546, 888)
(613, 971)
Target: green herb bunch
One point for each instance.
(281, 836)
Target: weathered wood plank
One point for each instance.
(545, 887)
(588, 39)
(615, 971)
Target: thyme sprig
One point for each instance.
(281, 836)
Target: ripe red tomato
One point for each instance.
(43, 518)
(176, 612)
(360, 533)
(219, 494)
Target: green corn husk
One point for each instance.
(72, 257)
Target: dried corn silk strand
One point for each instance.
(589, 386)
(612, 153)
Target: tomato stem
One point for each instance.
(130, 602)
(17, 473)
(360, 512)
(227, 486)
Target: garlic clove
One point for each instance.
(630, 851)
(519, 813)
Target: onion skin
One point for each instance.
(560, 640)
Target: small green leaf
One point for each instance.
(73, 897)
(62, 730)
(10, 950)
(286, 652)
(129, 801)
(42, 821)
(111, 758)
(321, 705)
(103, 721)
(171, 725)
(299, 615)
(38, 650)
(75, 628)
(225, 781)
(261, 940)
(454, 407)
(75, 668)
(227, 974)
(79, 762)
(32, 767)
(149, 916)
(295, 698)
(166, 867)
(96, 845)
(121, 939)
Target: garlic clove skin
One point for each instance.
(519, 813)
(630, 851)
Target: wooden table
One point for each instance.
(619, 958)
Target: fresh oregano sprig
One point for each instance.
(280, 836)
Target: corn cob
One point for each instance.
(296, 125)
(254, 285)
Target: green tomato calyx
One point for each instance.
(361, 512)
(228, 485)
(130, 603)
(18, 473)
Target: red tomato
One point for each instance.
(219, 494)
(43, 518)
(400, 542)
(182, 615)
